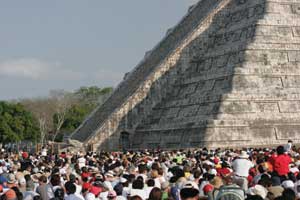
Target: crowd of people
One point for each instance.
(250, 173)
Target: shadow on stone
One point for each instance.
(223, 84)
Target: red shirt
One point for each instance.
(281, 164)
(223, 171)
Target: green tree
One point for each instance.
(16, 123)
(85, 100)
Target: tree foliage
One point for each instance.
(62, 112)
(16, 123)
(87, 99)
(48, 118)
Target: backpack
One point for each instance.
(229, 192)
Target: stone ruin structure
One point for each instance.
(227, 75)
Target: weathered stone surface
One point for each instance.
(227, 75)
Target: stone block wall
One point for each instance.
(227, 75)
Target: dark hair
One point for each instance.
(140, 178)
(292, 177)
(142, 168)
(72, 178)
(254, 197)
(155, 166)
(280, 150)
(3, 197)
(288, 194)
(197, 174)
(70, 187)
(131, 178)
(261, 169)
(136, 197)
(186, 193)
(138, 184)
(155, 194)
(37, 197)
(55, 180)
(59, 193)
(27, 177)
(43, 179)
(150, 183)
(265, 181)
(160, 171)
(118, 189)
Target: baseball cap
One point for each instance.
(208, 188)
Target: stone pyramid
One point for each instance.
(227, 75)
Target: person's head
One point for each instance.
(280, 150)
(70, 187)
(243, 155)
(119, 189)
(59, 193)
(140, 178)
(10, 195)
(72, 178)
(142, 168)
(197, 174)
(254, 197)
(55, 180)
(138, 184)
(276, 181)
(288, 194)
(111, 195)
(208, 188)
(155, 194)
(19, 194)
(11, 180)
(261, 169)
(42, 179)
(135, 197)
(265, 181)
(189, 192)
(154, 173)
(150, 183)
(37, 197)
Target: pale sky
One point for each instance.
(66, 44)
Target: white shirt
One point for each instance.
(140, 193)
(288, 147)
(148, 190)
(74, 197)
(157, 183)
(103, 195)
(81, 162)
(241, 167)
(90, 196)
(121, 198)
(28, 195)
(78, 189)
